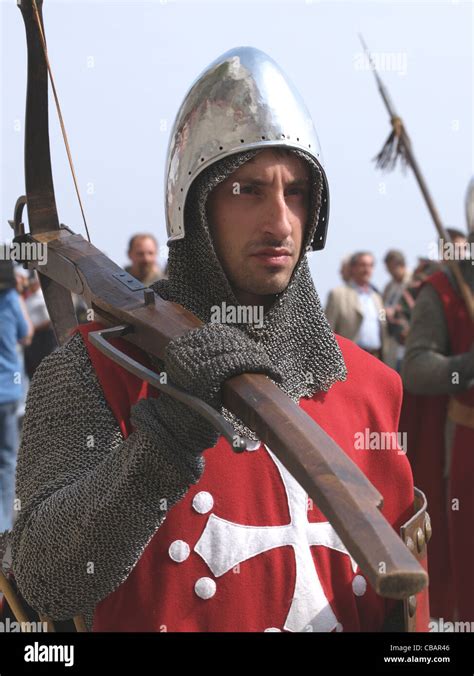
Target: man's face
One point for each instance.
(257, 219)
(361, 271)
(396, 270)
(143, 253)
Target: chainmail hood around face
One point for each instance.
(295, 332)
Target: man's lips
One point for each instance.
(273, 256)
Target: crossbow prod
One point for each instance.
(127, 309)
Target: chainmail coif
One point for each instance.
(295, 334)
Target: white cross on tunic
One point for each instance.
(224, 544)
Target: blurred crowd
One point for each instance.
(379, 321)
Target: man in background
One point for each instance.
(396, 267)
(345, 269)
(16, 328)
(355, 310)
(142, 251)
(44, 341)
(438, 418)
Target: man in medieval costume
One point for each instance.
(438, 417)
(134, 512)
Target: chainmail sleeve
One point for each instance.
(90, 501)
(427, 367)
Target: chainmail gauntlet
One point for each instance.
(199, 362)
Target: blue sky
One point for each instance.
(122, 69)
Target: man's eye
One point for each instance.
(296, 191)
(247, 189)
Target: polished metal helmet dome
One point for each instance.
(241, 101)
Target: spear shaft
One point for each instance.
(404, 149)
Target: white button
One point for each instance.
(359, 585)
(179, 551)
(203, 502)
(205, 588)
(272, 629)
(338, 626)
(253, 446)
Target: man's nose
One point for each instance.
(277, 221)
